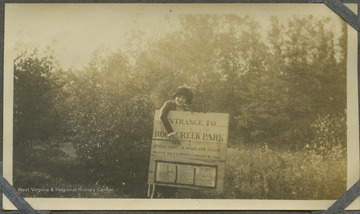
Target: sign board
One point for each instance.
(199, 161)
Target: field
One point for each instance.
(267, 174)
(251, 173)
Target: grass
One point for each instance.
(255, 173)
(251, 173)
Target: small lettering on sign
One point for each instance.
(199, 150)
(186, 174)
(205, 176)
(166, 172)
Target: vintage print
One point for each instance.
(149, 106)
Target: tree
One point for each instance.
(36, 120)
(110, 123)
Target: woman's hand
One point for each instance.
(174, 139)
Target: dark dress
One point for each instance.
(170, 105)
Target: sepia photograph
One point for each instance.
(179, 106)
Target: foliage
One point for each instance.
(36, 120)
(330, 137)
(251, 173)
(110, 123)
(298, 84)
(259, 173)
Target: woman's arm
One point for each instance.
(168, 106)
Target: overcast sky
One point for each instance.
(75, 31)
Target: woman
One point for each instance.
(180, 101)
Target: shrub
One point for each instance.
(330, 135)
(267, 174)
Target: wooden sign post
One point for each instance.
(199, 161)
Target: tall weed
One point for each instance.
(259, 173)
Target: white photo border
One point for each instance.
(190, 204)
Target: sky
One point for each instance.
(74, 31)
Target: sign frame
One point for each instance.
(191, 152)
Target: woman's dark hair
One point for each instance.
(182, 90)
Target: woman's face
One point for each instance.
(180, 100)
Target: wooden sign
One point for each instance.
(199, 160)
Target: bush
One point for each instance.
(267, 174)
(116, 147)
(330, 135)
